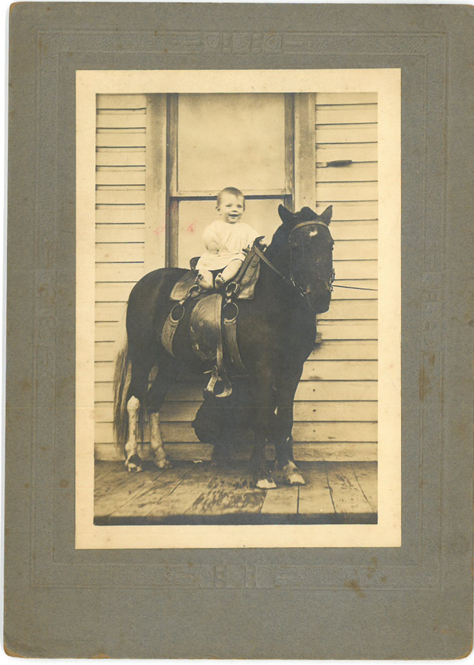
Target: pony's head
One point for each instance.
(310, 246)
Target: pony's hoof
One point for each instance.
(265, 484)
(292, 475)
(134, 464)
(163, 463)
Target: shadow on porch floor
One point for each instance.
(197, 493)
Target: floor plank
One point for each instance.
(183, 496)
(197, 490)
(367, 477)
(281, 501)
(102, 469)
(315, 496)
(228, 492)
(345, 490)
(145, 501)
(115, 489)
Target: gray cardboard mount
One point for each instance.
(409, 602)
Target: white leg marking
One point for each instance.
(266, 484)
(292, 474)
(131, 447)
(156, 440)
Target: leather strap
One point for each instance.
(170, 326)
(234, 287)
(230, 339)
(227, 335)
(219, 373)
(250, 255)
(262, 256)
(221, 370)
(313, 222)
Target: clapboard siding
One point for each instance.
(318, 391)
(329, 432)
(118, 176)
(344, 114)
(181, 411)
(355, 230)
(314, 370)
(348, 211)
(340, 310)
(336, 400)
(359, 349)
(121, 157)
(347, 191)
(346, 129)
(362, 153)
(346, 133)
(358, 172)
(304, 452)
(121, 232)
(120, 221)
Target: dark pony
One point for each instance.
(276, 332)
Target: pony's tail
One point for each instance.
(122, 380)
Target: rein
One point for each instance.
(288, 280)
(358, 288)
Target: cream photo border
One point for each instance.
(385, 82)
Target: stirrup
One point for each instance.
(195, 291)
(231, 289)
(211, 386)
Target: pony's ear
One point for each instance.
(326, 216)
(286, 215)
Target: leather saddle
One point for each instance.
(245, 280)
(213, 321)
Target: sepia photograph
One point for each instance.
(233, 311)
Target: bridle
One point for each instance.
(295, 228)
(289, 279)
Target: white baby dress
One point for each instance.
(225, 242)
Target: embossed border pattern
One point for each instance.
(422, 58)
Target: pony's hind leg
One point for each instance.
(132, 458)
(156, 440)
(135, 403)
(165, 377)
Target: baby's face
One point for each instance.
(231, 208)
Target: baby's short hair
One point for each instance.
(230, 190)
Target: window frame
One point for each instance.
(163, 196)
(174, 196)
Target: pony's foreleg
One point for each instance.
(161, 459)
(132, 459)
(263, 398)
(284, 441)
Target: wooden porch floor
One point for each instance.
(197, 493)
